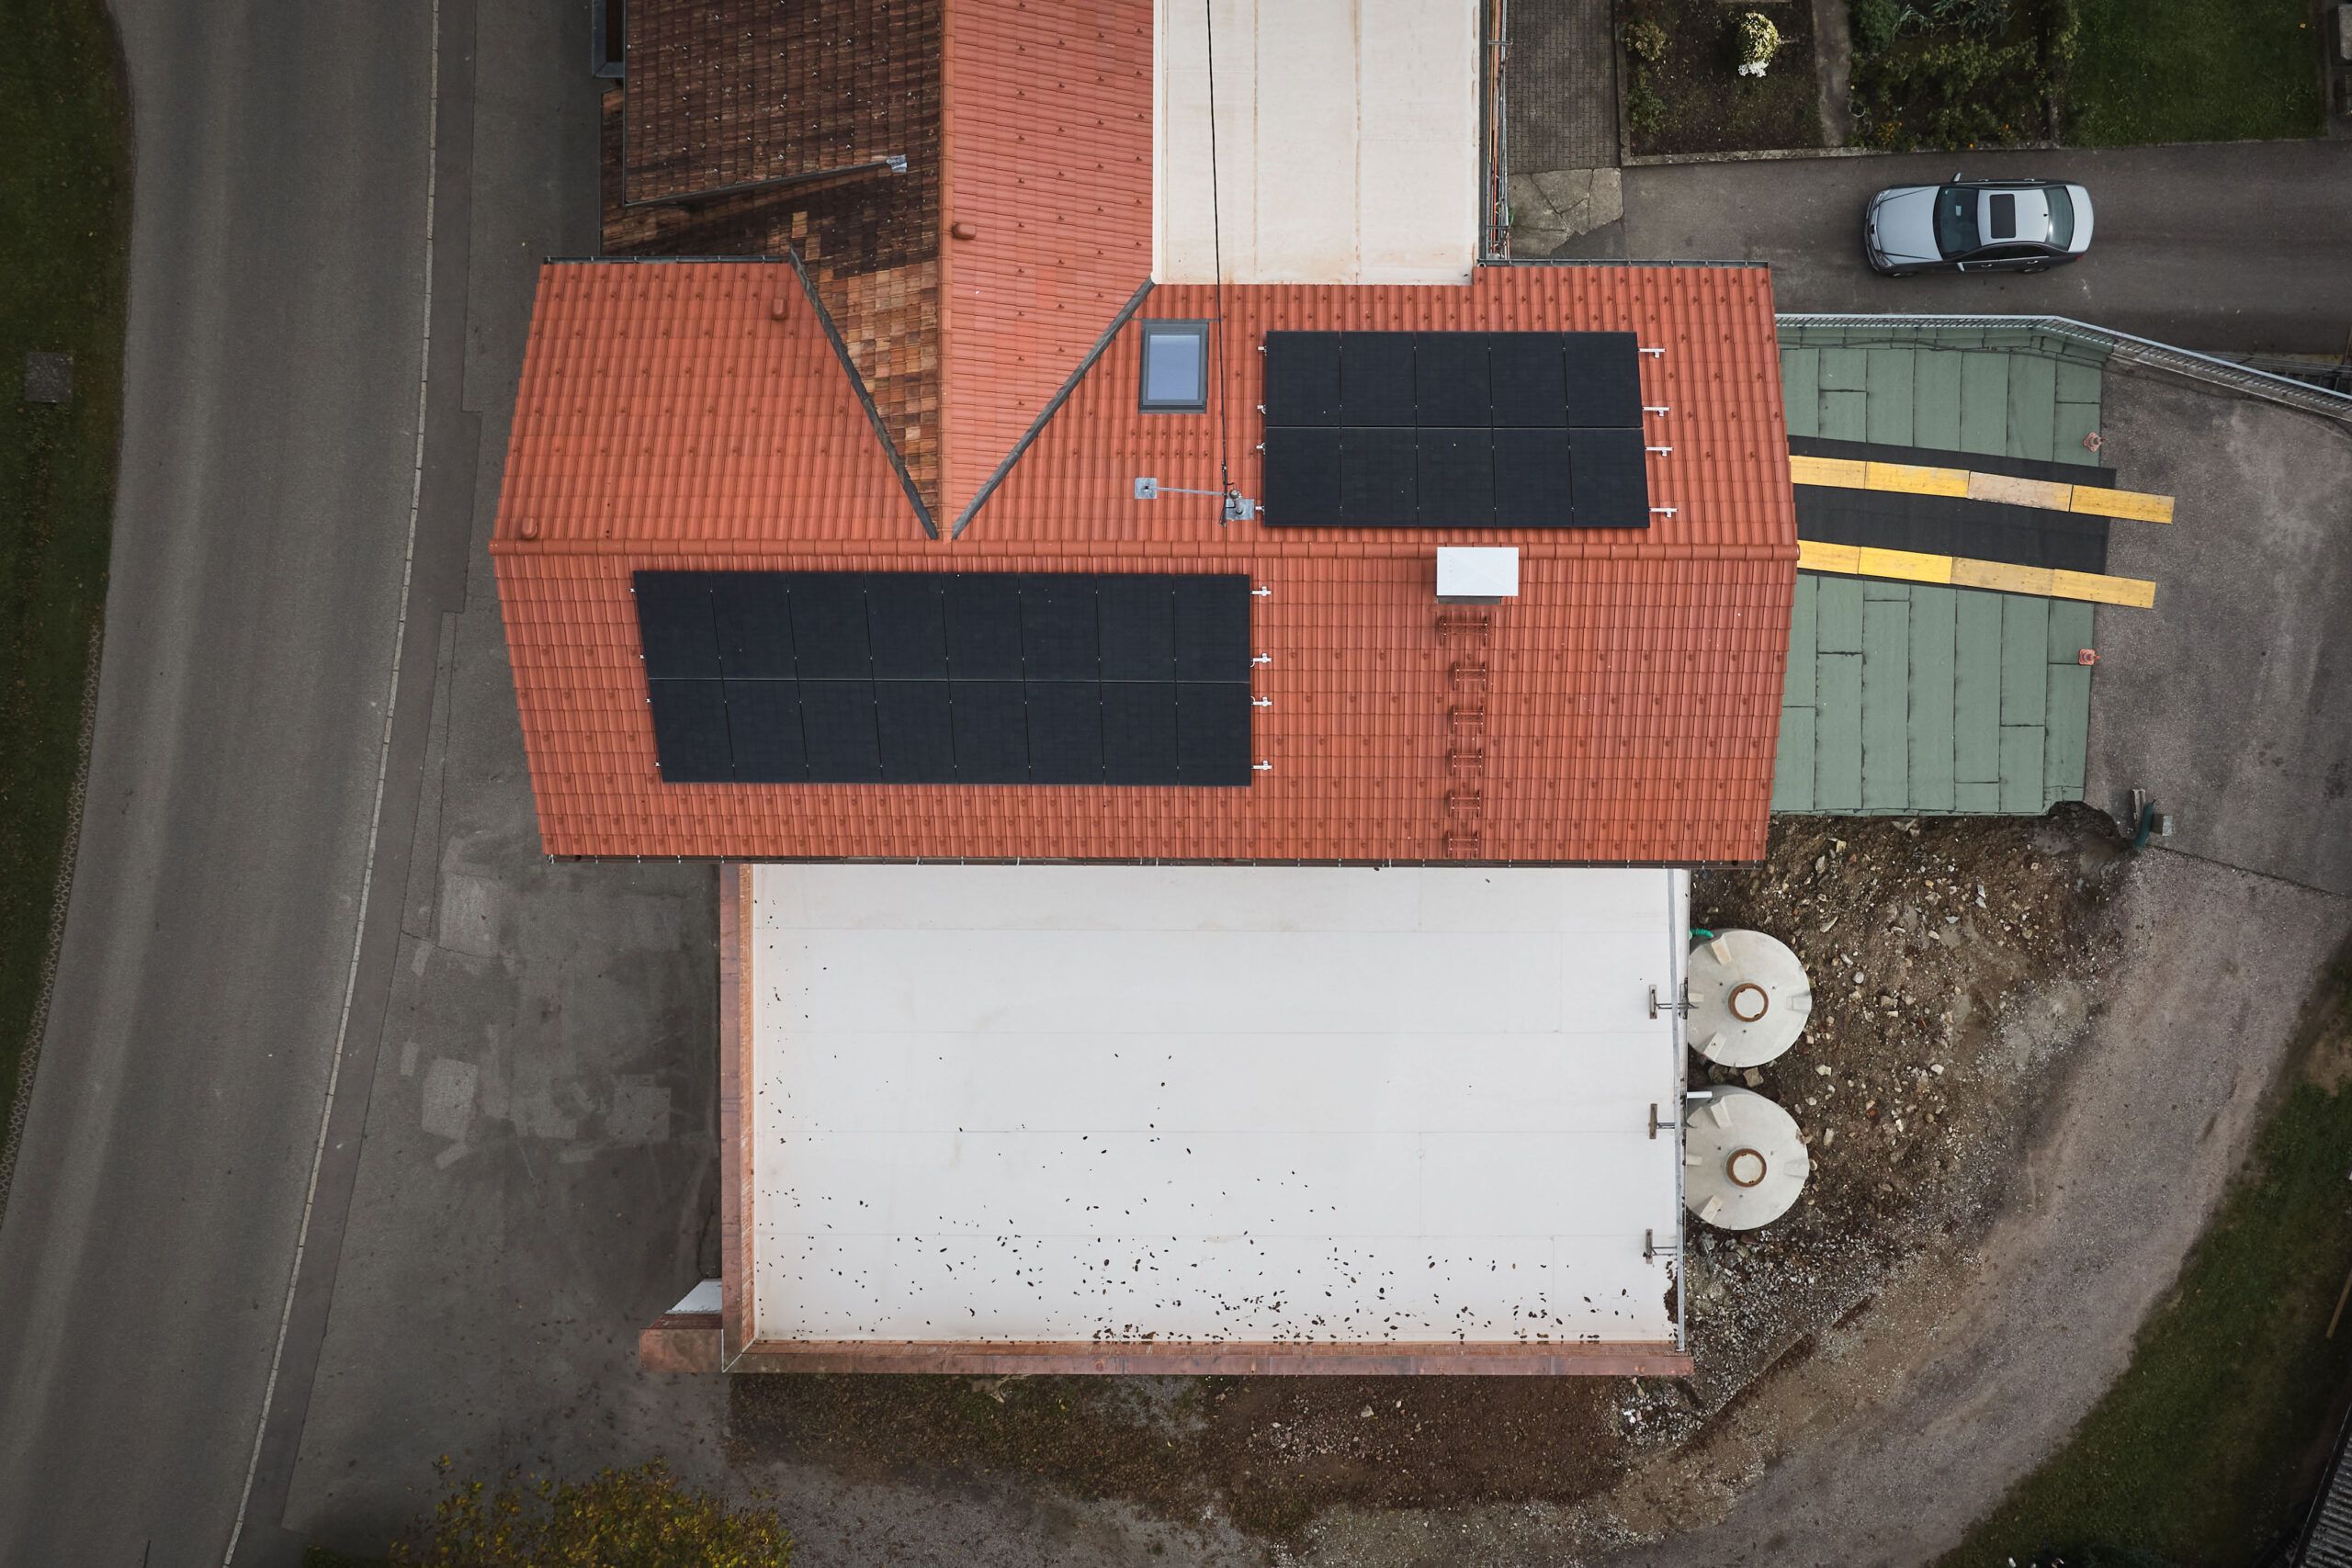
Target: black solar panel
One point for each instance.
(755, 626)
(674, 625)
(1531, 489)
(906, 616)
(1604, 380)
(1060, 637)
(690, 731)
(838, 723)
(1212, 735)
(1530, 377)
(1138, 616)
(1139, 731)
(991, 732)
(977, 678)
(1212, 628)
(1455, 430)
(763, 727)
(828, 639)
(1066, 731)
(983, 612)
(1457, 478)
(1377, 379)
(1376, 479)
(1450, 380)
(1302, 476)
(1610, 483)
(918, 740)
(1303, 379)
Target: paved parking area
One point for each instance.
(2231, 247)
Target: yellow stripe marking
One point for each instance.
(1909, 566)
(2005, 577)
(1915, 478)
(1846, 473)
(2015, 491)
(2127, 503)
(1815, 556)
(2131, 592)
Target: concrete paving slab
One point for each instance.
(2230, 699)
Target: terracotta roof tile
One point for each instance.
(688, 401)
(1048, 169)
(1633, 696)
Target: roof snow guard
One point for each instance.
(1622, 708)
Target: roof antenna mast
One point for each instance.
(1228, 511)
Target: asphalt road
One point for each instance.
(269, 448)
(2241, 247)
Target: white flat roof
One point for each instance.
(1347, 141)
(1077, 1103)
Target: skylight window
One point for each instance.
(1175, 366)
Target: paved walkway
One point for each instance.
(2235, 247)
(1562, 82)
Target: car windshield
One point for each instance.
(1956, 221)
(2062, 217)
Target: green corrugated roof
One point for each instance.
(2009, 392)
(1906, 698)
(1911, 699)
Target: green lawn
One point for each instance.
(64, 215)
(2198, 1454)
(2193, 71)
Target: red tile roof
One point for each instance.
(1047, 197)
(1631, 699)
(687, 402)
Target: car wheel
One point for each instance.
(2035, 267)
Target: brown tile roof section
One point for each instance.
(670, 402)
(1633, 692)
(727, 92)
(1048, 162)
(871, 242)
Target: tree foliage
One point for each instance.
(622, 1518)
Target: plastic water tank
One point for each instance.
(1749, 999)
(1743, 1161)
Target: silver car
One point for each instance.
(1976, 226)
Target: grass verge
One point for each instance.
(2193, 71)
(2202, 1450)
(65, 216)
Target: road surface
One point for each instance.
(2231, 247)
(269, 454)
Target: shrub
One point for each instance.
(1645, 110)
(1645, 39)
(622, 1518)
(1986, 19)
(1875, 23)
(1758, 39)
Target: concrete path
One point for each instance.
(261, 538)
(2233, 247)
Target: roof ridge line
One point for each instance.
(864, 395)
(1053, 406)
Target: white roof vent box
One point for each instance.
(1482, 574)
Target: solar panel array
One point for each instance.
(1455, 430)
(828, 677)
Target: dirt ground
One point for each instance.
(1928, 941)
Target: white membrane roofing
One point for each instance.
(1346, 139)
(1213, 1103)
